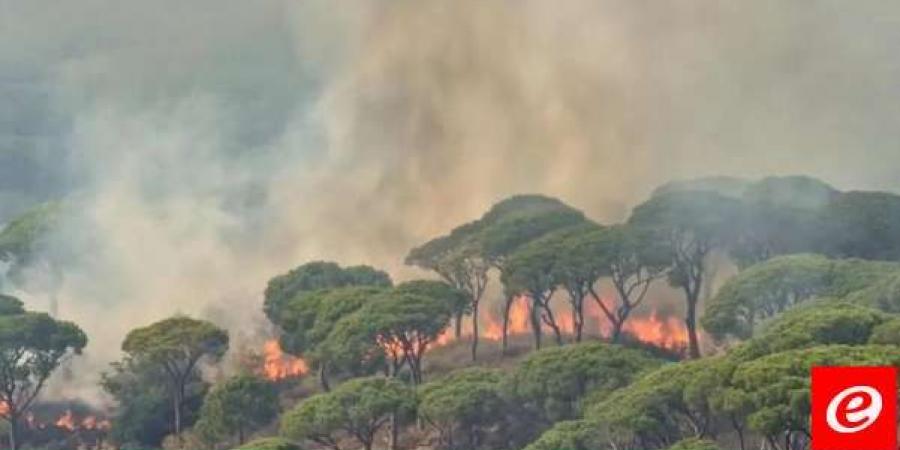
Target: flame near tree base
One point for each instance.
(668, 332)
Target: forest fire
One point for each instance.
(68, 422)
(664, 331)
(278, 365)
(667, 332)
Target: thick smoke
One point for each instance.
(212, 144)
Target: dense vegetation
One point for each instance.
(816, 282)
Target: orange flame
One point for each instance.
(66, 421)
(278, 365)
(447, 336)
(70, 423)
(92, 423)
(668, 332)
(519, 312)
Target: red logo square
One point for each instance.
(854, 408)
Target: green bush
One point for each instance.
(269, 444)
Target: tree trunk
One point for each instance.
(690, 322)
(506, 308)
(578, 319)
(475, 331)
(415, 364)
(323, 378)
(551, 322)
(241, 434)
(740, 433)
(459, 321)
(618, 321)
(692, 290)
(176, 402)
(616, 334)
(13, 432)
(536, 323)
(395, 432)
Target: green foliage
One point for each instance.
(778, 384)
(10, 306)
(507, 235)
(269, 444)
(406, 321)
(444, 253)
(463, 257)
(531, 268)
(668, 404)
(319, 419)
(237, 407)
(468, 400)
(549, 385)
(530, 271)
(453, 298)
(26, 234)
(459, 260)
(764, 290)
(570, 435)
(357, 408)
(175, 346)
(814, 324)
(316, 276)
(25, 243)
(176, 342)
(400, 323)
(456, 257)
(352, 347)
(851, 276)
(695, 444)
(886, 333)
(883, 294)
(144, 416)
(32, 346)
(307, 320)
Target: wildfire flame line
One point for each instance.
(667, 332)
(69, 422)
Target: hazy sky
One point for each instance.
(207, 145)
